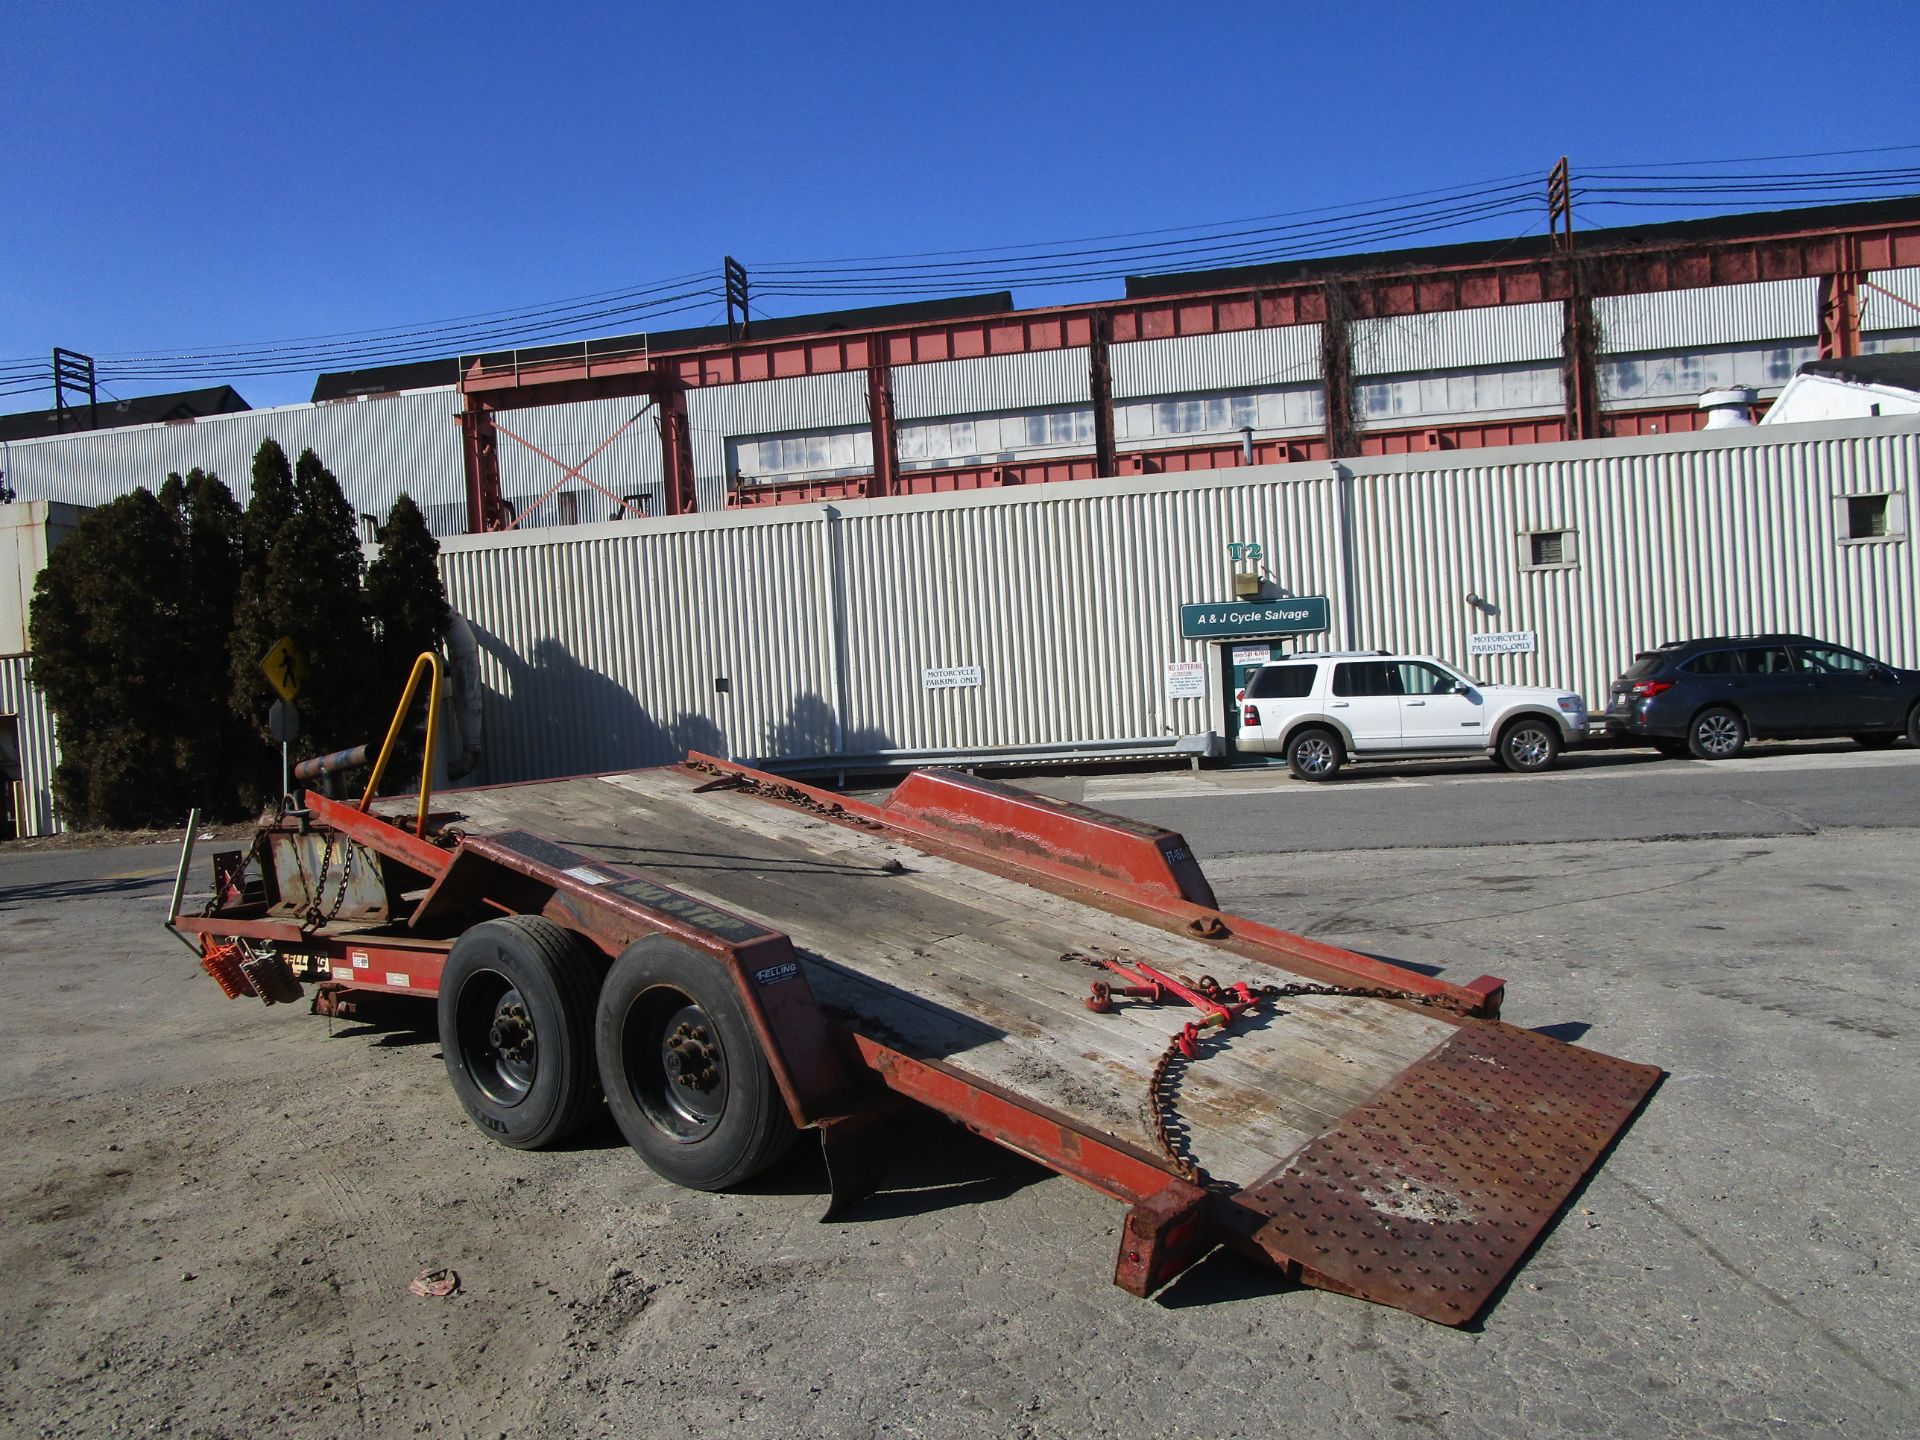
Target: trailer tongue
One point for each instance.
(728, 956)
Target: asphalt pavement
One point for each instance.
(1788, 789)
(210, 1211)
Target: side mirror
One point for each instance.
(1461, 687)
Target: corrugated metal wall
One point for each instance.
(992, 382)
(377, 447)
(630, 465)
(1698, 536)
(1067, 601)
(765, 407)
(605, 644)
(1882, 312)
(1712, 315)
(38, 756)
(1457, 339)
(1239, 360)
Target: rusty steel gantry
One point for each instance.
(1837, 251)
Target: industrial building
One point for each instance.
(964, 530)
(1407, 352)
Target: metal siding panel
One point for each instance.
(1682, 542)
(1238, 360)
(1457, 339)
(571, 433)
(1880, 312)
(1710, 315)
(992, 382)
(602, 643)
(717, 413)
(377, 447)
(39, 755)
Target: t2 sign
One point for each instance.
(1249, 552)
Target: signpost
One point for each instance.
(1233, 620)
(283, 723)
(286, 671)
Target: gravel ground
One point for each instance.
(213, 1210)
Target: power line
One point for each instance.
(1315, 232)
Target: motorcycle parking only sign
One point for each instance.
(1503, 642)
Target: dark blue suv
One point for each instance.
(1709, 697)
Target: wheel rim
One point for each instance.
(675, 1067)
(1529, 747)
(497, 1038)
(1719, 734)
(1314, 755)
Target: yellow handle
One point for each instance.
(432, 664)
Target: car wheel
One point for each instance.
(516, 1029)
(1913, 726)
(1874, 742)
(1529, 744)
(1717, 734)
(686, 1079)
(1315, 754)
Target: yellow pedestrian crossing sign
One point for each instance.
(285, 667)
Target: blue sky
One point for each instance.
(197, 175)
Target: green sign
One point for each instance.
(1246, 618)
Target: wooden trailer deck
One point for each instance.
(945, 961)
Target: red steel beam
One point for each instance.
(886, 447)
(1685, 264)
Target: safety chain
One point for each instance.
(316, 916)
(787, 794)
(1161, 1083)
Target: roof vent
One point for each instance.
(1728, 409)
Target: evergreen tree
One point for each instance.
(224, 757)
(110, 657)
(404, 593)
(301, 579)
(255, 628)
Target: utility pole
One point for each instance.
(72, 370)
(735, 275)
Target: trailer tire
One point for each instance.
(684, 1073)
(516, 1029)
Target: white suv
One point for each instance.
(1321, 710)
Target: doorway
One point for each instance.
(1236, 662)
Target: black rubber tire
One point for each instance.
(531, 1094)
(1876, 742)
(1529, 745)
(1315, 753)
(709, 1136)
(1717, 733)
(1913, 726)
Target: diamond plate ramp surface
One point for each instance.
(1429, 1195)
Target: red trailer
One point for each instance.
(729, 958)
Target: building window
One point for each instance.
(1871, 517)
(1549, 550)
(1866, 517)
